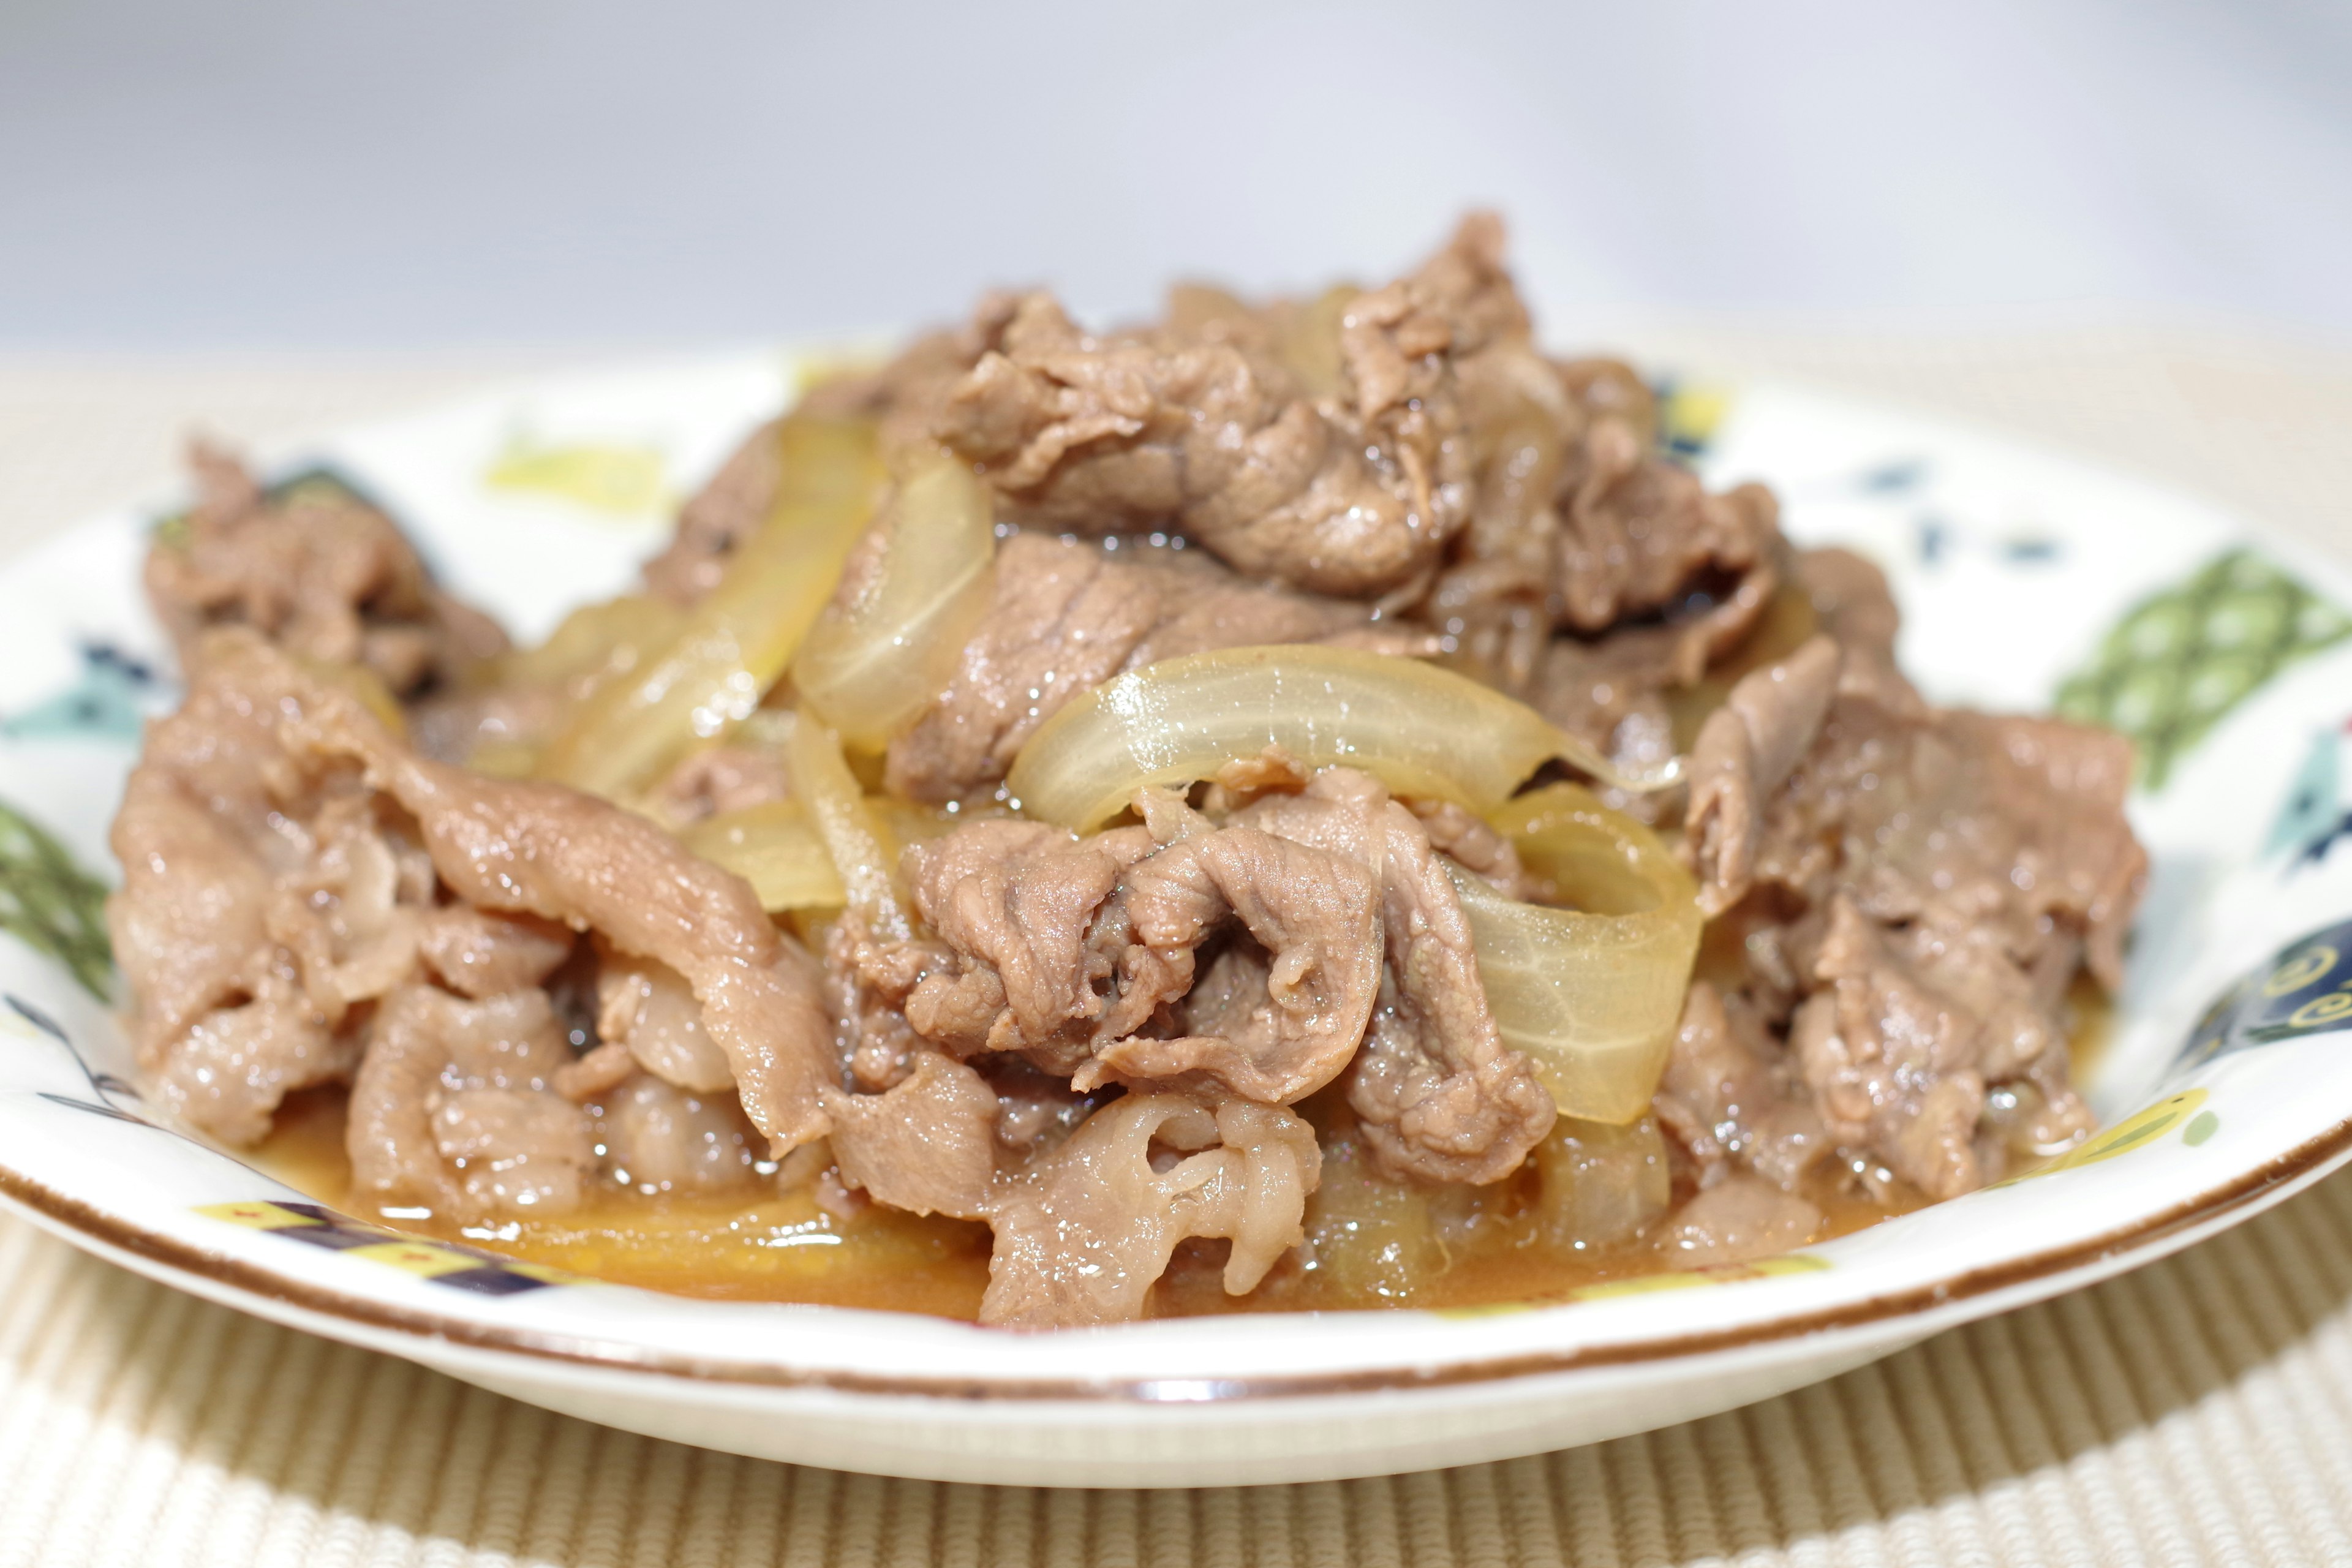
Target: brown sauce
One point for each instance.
(1478, 1247)
(734, 1246)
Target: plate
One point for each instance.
(2028, 580)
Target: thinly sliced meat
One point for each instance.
(455, 1109)
(1731, 1096)
(1083, 1232)
(1316, 913)
(1853, 604)
(1736, 1221)
(1456, 831)
(228, 1073)
(1015, 903)
(927, 1145)
(718, 518)
(648, 1006)
(659, 1138)
(1354, 494)
(264, 899)
(1746, 751)
(318, 571)
(1916, 1023)
(1926, 884)
(1637, 531)
(540, 849)
(722, 779)
(477, 953)
(1440, 1095)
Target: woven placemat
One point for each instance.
(2197, 1411)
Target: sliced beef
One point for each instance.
(1069, 616)
(265, 899)
(1746, 751)
(1355, 493)
(1853, 605)
(1456, 831)
(477, 952)
(1738, 1220)
(455, 1107)
(1912, 900)
(316, 570)
(927, 1144)
(542, 849)
(1315, 915)
(1015, 902)
(646, 1005)
(659, 1138)
(1259, 957)
(1440, 1096)
(1084, 1231)
(1732, 1097)
(1637, 531)
(721, 779)
(250, 815)
(1085, 1223)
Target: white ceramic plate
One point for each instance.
(2022, 575)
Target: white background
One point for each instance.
(273, 173)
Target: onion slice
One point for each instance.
(739, 639)
(869, 666)
(1591, 994)
(1422, 730)
(862, 858)
(779, 851)
(774, 848)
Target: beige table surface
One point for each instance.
(2197, 1411)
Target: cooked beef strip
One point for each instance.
(1456, 831)
(1852, 605)
(1316, 913)
(1636, 530)
(1746, 751)
(659, 1138)
(1084, 1230)
(477, 953)
(220, 838)
(1732, 1096)
(317, 571)
(1354, 494)
(927, 1144)
(1014, 903)
(1912, 900)
(1084, 1223)
(648, 1006)
(1085, 956)
(1736, 1220)
(264, 898)
(1067, 617)
(903, 394)
(455, 1107)
(1441, 1096)
(543, 849)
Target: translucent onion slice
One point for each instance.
(1590, 994)
(1422, 730)
(867, 668)
(776, 849)
(740, 638)
(864, 859)
(779, 851)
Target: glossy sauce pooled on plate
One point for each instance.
(1289, 805)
